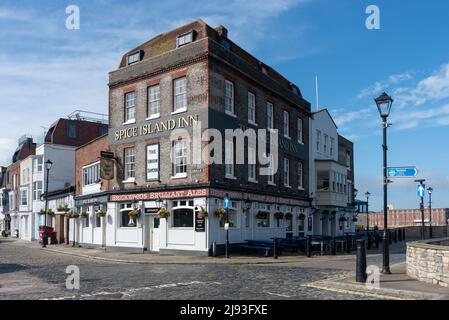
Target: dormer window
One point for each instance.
(295, 89)
(133, 57)
(184, 39)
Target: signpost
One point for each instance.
(226, 204)
(402, 172)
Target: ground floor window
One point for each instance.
(263, 219)
(183, 218)
(125, 219)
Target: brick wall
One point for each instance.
(406, 218)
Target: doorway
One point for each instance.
(154, 233)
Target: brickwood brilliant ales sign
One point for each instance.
(155, 127)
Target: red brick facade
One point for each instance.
(88, 154)
(407, 218)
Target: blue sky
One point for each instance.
(47, 71)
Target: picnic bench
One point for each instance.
(258, 245)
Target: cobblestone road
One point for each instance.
(27, 272)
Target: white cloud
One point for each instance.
(352, 116)
(380, 86)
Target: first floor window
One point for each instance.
(300, 131)
(91, 175)
(183, 218)
(229, 158)
(154, 101)
(286, 172)
(251, 164)
(179, 157)
(130, 163)
(270, 116)
(24, 197)
(286, 124)
(270, 177)
(37, 190)
(300, 176)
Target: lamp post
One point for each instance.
(48, 165)
(430, 189)
(367, 194)
(421, 206)
(384, 103)
(226, 205)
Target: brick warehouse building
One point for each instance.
(399, 218)
(176, 80)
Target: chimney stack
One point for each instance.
(222, 31)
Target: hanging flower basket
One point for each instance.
(262, 215)
(302, 216)
(163, 213)
(220, 213)
(50, 213)
(63, 208)
(101, 213)
(41, 213)
(279, 215)
(355, 219)
(68, 214)
(134, 213)
(84, 214)
(75, 215)
(343, 219)
(203, 213)
(288, 216)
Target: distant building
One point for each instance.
(410, 218)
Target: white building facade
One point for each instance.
(26, 216)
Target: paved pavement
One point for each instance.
(26, 272)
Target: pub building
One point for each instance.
(182, 78)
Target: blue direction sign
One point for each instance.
(421, 190)
(402, 172)
(226, 203)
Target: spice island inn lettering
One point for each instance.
(161, 126)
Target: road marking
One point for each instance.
(130, 292)
(278, 294)
(346, 291)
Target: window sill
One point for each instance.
(287, 137)
(253, 123)
(253, 181)
(288, 187)
(230, 177)
(128, 228)
(154, 116)
(231, 114)
(301, 142)
(271, 184)
(301, 189)
(129, 122)
(179, 176)
(179, 111)
(129, 180)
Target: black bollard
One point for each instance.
(309, 246)
(403, 234)
(377, 241)
(361, 261)
(395, 236)
(214, 249)
(275, 251)
(334, 246)
(368, 244)
(400, 235)
(348, 244)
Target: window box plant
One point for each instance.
(135, 213)
(220, 213)
(288, 216)
(84, 214)
(63, 208)
(163, 213)
(302, 216)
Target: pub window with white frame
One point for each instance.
(183, 214)
(286, 124)
(91, 175)
(180, 94)
(154, 101)
(97, 221)
(125, 208)
(229, 159)
(232, 216)
(130, 106)
(286, 172)
(184, 39)
(229, 97)
(180, 157)
(326, 141)
(300, 176)
(252, 164)
(251, 107)
(270, 115)
(300, 131)
(130, 163)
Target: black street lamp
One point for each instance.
(48, 165)
(430, 189)
(384, 103)
(367, 195)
